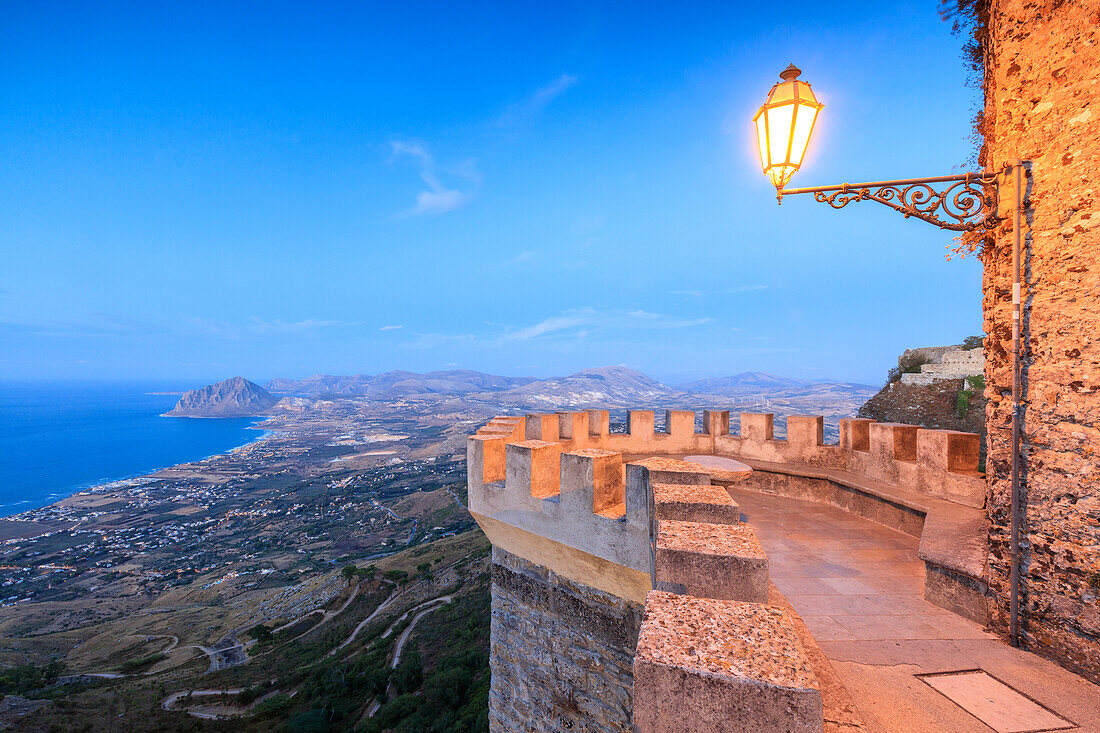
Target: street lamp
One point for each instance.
(961, 203)
(784, 125)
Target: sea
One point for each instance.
(57, 439)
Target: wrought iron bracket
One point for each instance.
(963, 203)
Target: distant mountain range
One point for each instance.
(749, 383)
(236, 397)
(606, 386)
(397, 383)
(615, 386)
(741, 382)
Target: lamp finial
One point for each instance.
(790, 73)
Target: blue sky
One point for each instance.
(190, 191)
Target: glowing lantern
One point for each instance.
(784, 125)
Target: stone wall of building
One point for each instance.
(562, 653)
(1043, 106)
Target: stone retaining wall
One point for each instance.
(562, 652)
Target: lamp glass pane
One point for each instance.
(779, 132)
(803, 125)
(762, 139)
(782, 93)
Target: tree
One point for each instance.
(409, 674)
(397, 576)
(973, 342)
(262, 634)
(349, 571)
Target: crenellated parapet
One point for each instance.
(582, 520)
(907, 477)
(942, 464)
(570, 508)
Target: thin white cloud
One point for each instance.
(524, 256)
(260, 325)
(722, 291)
(535, 102)
(438, 198)
(583, 322)
(550, 325)
(547, 94)
(453, 187)
(391, 328)
(439, 201)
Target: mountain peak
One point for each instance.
(233, 397)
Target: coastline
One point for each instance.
(8, 521)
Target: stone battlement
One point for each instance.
(562, 492)
(588, 528)
(942, 464)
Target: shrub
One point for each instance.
(409, 673)
(23, 678)
(274, 706)
(309, 721)
(910, 364)
(262, 634)
(139, 665)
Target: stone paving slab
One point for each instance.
(952, 535)
(871, 621)
(995, 703)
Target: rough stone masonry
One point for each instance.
(1043, 106)
(562, 653)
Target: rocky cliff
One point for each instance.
(929, 406)
(932, 387)
(236, 397)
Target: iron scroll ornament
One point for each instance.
(969, 202)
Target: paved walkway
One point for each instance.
(859, 588)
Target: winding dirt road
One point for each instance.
(400, 645)
(171, 700)
(390, 600)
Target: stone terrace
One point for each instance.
(878, 544)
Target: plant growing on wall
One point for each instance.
(973, 384)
